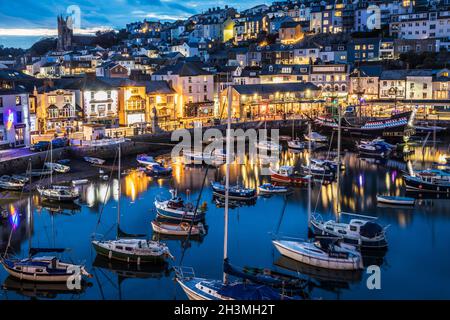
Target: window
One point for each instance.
(109, 107)
(18, 100)
(353, 228)
(51, 100)
(1, 102)
(109, 94)
(19, 116)
(1, 119)
(190, 89)
(424, 95)
(205, 88)
(205, 98)
(92, 107)
(92, 95)
(425, 86)
(370, 46)
(190, 79)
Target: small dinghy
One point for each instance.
(79, 182)
(316, 138)
(323, 253)
(92, 160)
(271, 188)
(11, 184)
(399, 201)
(175, 229)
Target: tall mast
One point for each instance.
(227, 180)
(309, 174)
(338, 171)
(119, 187)
(51, 162)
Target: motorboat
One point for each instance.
(269, 188)
(56, 167)
(296, 144)
(11, 184)
(430, 180)
(323, 253)
(316, 138)
(286, 174)
(176, 209)
(147, 160)
(268, 146)
(236, 192)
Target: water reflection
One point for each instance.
(415, 234)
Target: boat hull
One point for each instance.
(418, 185)
(288, 179)
(393, 201)
(335, 264)
(129, 258)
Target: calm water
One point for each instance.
(417, 264)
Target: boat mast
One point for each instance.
(338, 171)
(309, 174)
(227, 181)
(119, 190)
(51, 162)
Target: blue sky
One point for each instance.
(40, 15)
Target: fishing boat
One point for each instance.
(178, 229)
(267, 145)
(392, 128)
(43, 269)
(92, 160)
(58, 193)
(236, 192)
(286, 174)
(147, 160)
(430, 180)
(362, 233)
(56, 167)
(271, 188)
(130, 248)
(323, 253)
(176, 209)
(316, 138)
(296, 144)
(402, 201)
(11, 184)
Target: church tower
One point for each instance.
(65, 34)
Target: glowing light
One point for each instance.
(14, 217)
(10, 121)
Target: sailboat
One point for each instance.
(41, 268)
(212, 289)
(322, 252)
(130, 248)
(359, 232)
(295, 143)
(54, 192)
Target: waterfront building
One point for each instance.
(290, 32)
(57, 110)
(364, 84)
(194, 86)
(284, 73)
(363, 49)
(271, 100)
(14, 118)
(332, 79)
(421, 25)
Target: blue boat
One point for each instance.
(205, 289)
(235, 192)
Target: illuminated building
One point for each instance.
(14, 118)
(270, 100)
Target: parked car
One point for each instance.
(40, 146)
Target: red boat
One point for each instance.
(286, 175)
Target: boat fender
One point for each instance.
(110, 254)
(184, 226)
(139, 260)
(128, 259)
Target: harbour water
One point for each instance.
(416, 265)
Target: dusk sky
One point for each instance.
(31, 17)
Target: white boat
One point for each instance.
(11, 184)
(316, 137)
(271, 188)
(296, 144)
(56, 167)
(146, 160)
(58, 193)
(322, 253)
(198, 157)
(94, 160)
(402, 201)
(268, 146)
(79, 182)
(178, 229)
(42, 269)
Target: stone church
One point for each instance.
(67, 40)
